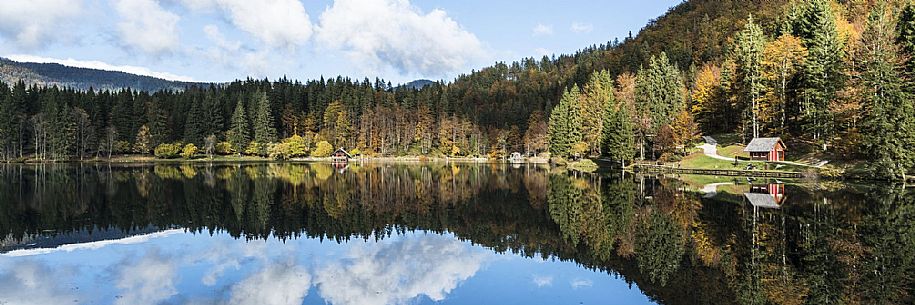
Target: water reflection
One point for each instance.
(443, 233)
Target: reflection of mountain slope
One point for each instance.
(86, 238)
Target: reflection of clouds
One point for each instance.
(581, 283)
(149, 280)
(277, 284)
(398, 271)
(32, 283)
(543, 280)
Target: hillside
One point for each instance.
(50, 74)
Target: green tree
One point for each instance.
(565, 124)
(323, 149)
(238, 132)
(888, 118)
(598, 95)
(264, 131)
(823, 73)
(618, 134)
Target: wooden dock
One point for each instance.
(662, 169)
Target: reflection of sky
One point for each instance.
(184, 268)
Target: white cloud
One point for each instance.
(393, 33)
(277, 284)
(542, 30)
(33, 23)
(146, 26)
(580, 283)
(30, 282)
(92, 64)
(277, 23)
(399, 271)
(149, 280)
(579, 27)
(542, 281)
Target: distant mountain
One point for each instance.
(50, 74)
(418, 84)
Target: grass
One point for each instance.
(701, 161)
(733, 150)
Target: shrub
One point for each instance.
(254, 149)
(121, 147)
(224, 148)
(189, 151)
(291, 147)
(168, 151)
(323, 149)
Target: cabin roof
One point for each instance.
(763, 144)
(343, 151)
(766, 201)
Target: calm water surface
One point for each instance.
(444, 234)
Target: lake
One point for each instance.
(444, 234)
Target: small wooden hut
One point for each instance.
(340, 156)
(766, 149)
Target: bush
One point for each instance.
(356, 152)
(291, 147)
(323, 149)
(168, 151)
(585, 165)
(189, 151)
(121, 147)
(254, 149)
(224, 148)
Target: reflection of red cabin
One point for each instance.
(766, 195)
(766, 149)
(340, 156)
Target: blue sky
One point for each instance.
(223, 40)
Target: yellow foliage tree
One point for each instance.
(783, 58)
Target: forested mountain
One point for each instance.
(824, 75)
(52, 74)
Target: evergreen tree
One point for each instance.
(888, 111)
(618, 136)
(238, 132)
(264, 130)
(822, 75)
(905, 31)
(565, 124)
(196, 126)
(659, 92)
(598, 95)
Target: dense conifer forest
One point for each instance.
(831, 77)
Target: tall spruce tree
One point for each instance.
(618, 139)
(887, 125)
(598, 95)
(264, 129)
(822, 76)
(905, 31)
(565, 124)
(238, 131)
(659, 92)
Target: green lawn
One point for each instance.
(701, 161)
(733, 150)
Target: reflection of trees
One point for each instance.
(853, 245)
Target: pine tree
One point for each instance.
(659, 92)
(264, 130)
(196, 125)
(238, 132)
(143, 142)
(905, 31)
(598, 95)
(888, 111)
(565, 124)
(822, 75)
(618, 139)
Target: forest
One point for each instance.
(829, 77)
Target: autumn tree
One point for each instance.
(748, 57)
(537, 135)
(783, 59)
(597, 96)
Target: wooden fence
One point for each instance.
(662, 169)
